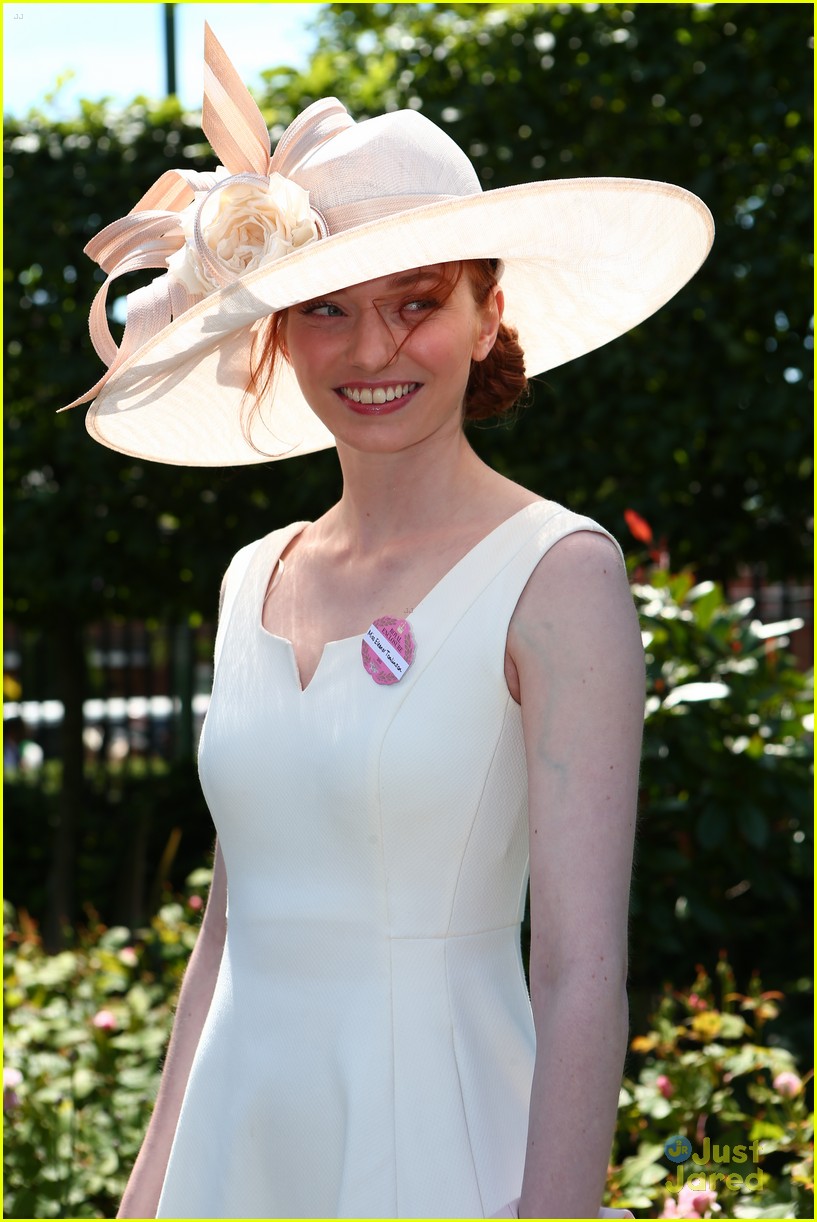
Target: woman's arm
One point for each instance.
(575, 642)
(141, 1197)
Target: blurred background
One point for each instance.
(690, 439)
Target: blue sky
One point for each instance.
(118, 49)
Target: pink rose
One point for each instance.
(787, 1084)
(11, 1079)
(196, 903)
(704, 1202)
(104, 1020)
(692, 1202)
(665, 1086)
(697, 1202)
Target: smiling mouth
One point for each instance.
(377, 395)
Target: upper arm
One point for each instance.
(222, 595)
(222, 592)
(575, 641)
(214, 921)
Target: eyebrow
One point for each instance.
(407, 279)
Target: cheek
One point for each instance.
(441, 349)
(300, 349)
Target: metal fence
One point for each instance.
(147, 691)
(780, 601)
(148, 684)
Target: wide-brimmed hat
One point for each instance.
(338, 203)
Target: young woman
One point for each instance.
(420, 699)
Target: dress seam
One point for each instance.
(477, 810)
(445, 937)
(459, 1083)
(386, 898)
(514, 925)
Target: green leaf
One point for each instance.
(199, 878)
(763, 1130)
(712, 827)
(636, 1166)
(732, 1027)
(706, 599)
(754, 826)
(84, 1082)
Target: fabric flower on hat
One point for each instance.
(244, 224)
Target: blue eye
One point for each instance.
(325, 309)
(422, 303)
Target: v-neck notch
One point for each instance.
(268, 579)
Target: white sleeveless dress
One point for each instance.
(369, 1048)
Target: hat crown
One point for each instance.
(394, 157)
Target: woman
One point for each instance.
(433, 688)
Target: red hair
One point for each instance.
(497, 383)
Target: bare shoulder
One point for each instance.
(577, 603)
(582, 552)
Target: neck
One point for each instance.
(391, 498)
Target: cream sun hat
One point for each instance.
(583, 261)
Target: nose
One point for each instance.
(372, 347)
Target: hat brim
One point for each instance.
(585, 260)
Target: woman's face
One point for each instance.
(384, 364)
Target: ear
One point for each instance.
(490, 318)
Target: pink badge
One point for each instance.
(388, 649)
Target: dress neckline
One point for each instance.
(272, 574)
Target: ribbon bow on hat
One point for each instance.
(207, 229)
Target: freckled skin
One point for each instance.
(576, 620)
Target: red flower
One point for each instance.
(665, 1086)
(639, 528)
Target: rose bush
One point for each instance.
(84, 1035)
(85, 1031)
(712, 1068)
